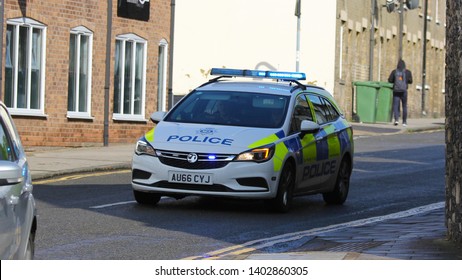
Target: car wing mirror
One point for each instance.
(308, 127)
(156, 117)
(10, 173)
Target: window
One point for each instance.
(5, 145)
(129, 78)
(323, 109)
(302, 112)
(10, 142)
(79, 82)
(24, 67)
(162, 77)
(231, 108)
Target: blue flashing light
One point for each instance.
(212, 157)
(287, 76)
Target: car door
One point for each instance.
(9, 193)
(306, 154)
(327, 142)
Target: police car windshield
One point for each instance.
(231, 108)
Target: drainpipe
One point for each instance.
(424, 58)
(170, 62)
(401, 23)
(372, 40)
(108, 73)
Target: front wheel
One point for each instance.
(146, 198)
(342, 185)
(30, 249)
(283, 200)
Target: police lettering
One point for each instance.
(200, 139)
(319, 169)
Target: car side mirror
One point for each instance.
(156, 117)
(308, 127)
(10, 173)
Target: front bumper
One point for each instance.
(236, 179)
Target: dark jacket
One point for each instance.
(401, 66)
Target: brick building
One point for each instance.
(55, 80)
(353, 62)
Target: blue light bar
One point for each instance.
(286, 76)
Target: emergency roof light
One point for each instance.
(286, 76)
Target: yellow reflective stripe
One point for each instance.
(150, 135)
(350, 134)
(334, 146)
(264, 141)
(280, 149)
(329, 129)
(279, 156)
(309, 148)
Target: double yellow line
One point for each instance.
(79, 176)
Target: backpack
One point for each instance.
(400, 84)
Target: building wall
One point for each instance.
(60, 17)
(353, 51)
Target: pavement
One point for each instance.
(417, 234)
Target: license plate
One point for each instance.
(190, 178)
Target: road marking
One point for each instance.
(112, 204)
(79, 176)
(258, 244)
(121, 203)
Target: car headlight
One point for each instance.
(144, 148)
(258, 154)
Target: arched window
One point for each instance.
(80, 65)
(25, 67)
(130, 77)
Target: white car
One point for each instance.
(18, 221)
(262, 135)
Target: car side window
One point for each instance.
(301, 112)
(324, 110)
(319, 109)
(332, 114)
(10, 129)
(6, 151)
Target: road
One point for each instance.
(95, 216)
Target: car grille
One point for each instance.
(207, 188)
(204, 161)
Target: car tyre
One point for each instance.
(146, 198)
(283, 200)
(342, 185)
(30, 248)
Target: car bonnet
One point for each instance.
(208, 138)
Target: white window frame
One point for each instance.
(162, 76)
(132, 38)
(79, 32)
(31, 25)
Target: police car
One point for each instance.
(247, 134)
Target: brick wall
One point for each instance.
(353, 37)
(60, 16)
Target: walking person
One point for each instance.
(400, 78)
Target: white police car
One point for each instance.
(254, 139)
